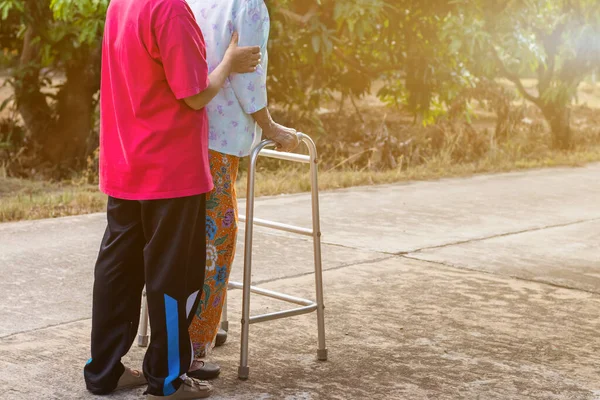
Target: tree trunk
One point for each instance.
(60, 133)
(68, 145)
(559, 119)
(503, 123)
(31, 102)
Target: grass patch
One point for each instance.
(288, 181)
(22, 199)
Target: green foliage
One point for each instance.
(65, 28)
(426, 53)
(347, 45)
(556, 41)
(83, 19)
(329, 52)
(6, 6)
(8, 39)
(56, 38)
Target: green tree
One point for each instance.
(60, 38)
(555, 41)
(428, 74)
(319, 48)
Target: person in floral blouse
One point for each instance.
(238, 118)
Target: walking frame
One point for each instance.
(306, 306)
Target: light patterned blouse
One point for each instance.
(232, 130)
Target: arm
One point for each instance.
(263, 119)
(216, 81)
(251, 89)
(252, 23)
(238, 60)
(286, 138)
(183, 56)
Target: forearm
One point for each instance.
(263, 119)
(216, 81)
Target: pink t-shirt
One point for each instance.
(152, 145)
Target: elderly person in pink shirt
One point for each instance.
(154, 167)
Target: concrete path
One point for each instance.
(479, 288)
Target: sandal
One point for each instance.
(204, 371)
(130, 379)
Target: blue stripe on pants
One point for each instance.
(172, 319)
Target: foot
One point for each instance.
(203, 370)
(130, 379)
(190, 389)
(221, 338)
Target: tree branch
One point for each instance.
(514, 78)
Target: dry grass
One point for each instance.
(296, 181)
(26, 200)
(22, 199)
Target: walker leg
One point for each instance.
(244, 370)
(316, 219)
(224, 320)
(143, 336)
(322, 349)
(221, 337)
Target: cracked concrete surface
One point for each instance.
(478, 288)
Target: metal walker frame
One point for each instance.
(306, 306)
